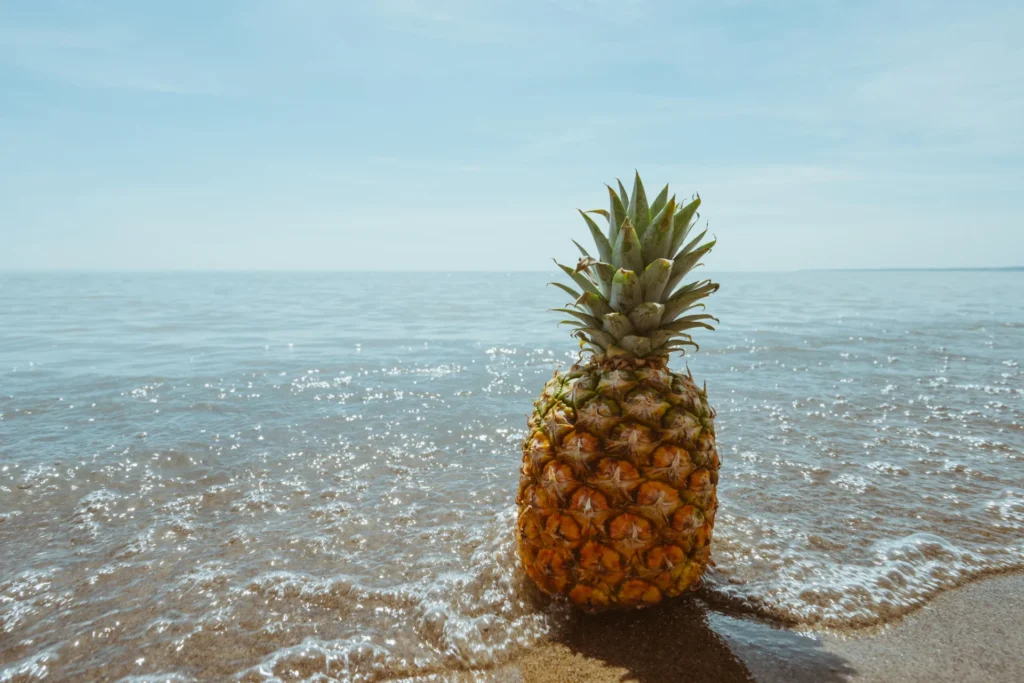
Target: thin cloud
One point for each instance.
(814, 131)
(108, 56)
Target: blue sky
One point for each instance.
(462, 134)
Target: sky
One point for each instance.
(464, 134)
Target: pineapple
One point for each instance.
(617, 490)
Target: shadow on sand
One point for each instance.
(685, 640)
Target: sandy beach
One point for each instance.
(969, 634)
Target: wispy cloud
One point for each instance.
(103, 55)
(446, 20)
(424, 166)
(824, 125)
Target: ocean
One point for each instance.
(264, 476)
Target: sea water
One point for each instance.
(290, 476)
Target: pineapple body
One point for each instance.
(617, 494)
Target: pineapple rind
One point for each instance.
(617, 497)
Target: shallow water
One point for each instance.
(291, 475)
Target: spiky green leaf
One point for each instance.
(673, 347)
(638, 211)
(686, 262)
(637, 345)
(659, 202)
(691, 245)
(682, 225)
(658, 236)
(588, 320)
(689, 322)
(616, 215)
(599, 337)
(662, 337)
(640, 260)
(646, 316)
(654, 279)
(595, 303)
(604, 248)
(628, 253)
(604, 272)
(693, 319)
(623, 195)
(567, 289)
(617, 325)
(684, 299)
(626, 290)
(579, 278)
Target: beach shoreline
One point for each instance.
(968, 634)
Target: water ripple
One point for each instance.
(259, 477)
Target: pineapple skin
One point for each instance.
(617, 493)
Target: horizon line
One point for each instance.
(154, 271)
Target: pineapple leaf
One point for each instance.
(584, 263)
(624, 195)
(655, 277)
(659, 202)
(662, 337)
(604, 274)
(567, 289)
(691, 245)
(628, 253)
(604, 248)
(599, 337)
(682, 225)
(686, 262)
(681, 300)
(626, 290)
(624, 304)
(646, 316)
(595, 303)
(599, 273)
(675, 346)
(580, 279)
(636, 345)
(695, 318)
(589, 320)
(638, 211)
(618, 325)
(616, 214)
(667, 337)
(689, 322)
(694, 255)
(658, 237)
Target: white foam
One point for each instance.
(784, 581)
(458, 619)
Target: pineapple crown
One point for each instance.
(629, 305)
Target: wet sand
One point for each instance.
(970, 634)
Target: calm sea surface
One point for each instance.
(211, 476)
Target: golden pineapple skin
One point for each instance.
(617, 493)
